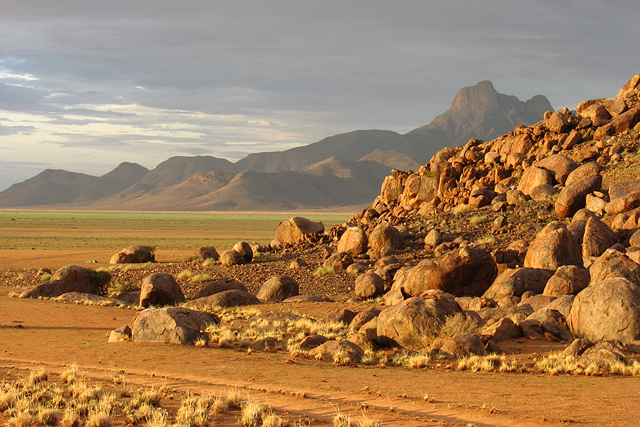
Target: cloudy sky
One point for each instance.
(86, 85)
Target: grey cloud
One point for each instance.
(14, 130)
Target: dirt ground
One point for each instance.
(41, 333)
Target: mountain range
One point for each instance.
(340, 170)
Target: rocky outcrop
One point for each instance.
(228, 298)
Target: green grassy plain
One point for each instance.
(85, 233)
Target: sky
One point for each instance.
(86, 85)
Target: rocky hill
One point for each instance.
(297, 178)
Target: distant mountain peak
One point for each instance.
(482, 96)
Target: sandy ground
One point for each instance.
(55, 335)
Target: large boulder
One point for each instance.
(418, 188)
(298, 230)
(160, 289)
(385, 235)
(515, 282)
(172, 325)
(466, 271)
(278, 288)
(70, 278)
(614, 264)
(534, 177)
(559, 165)
(415, 322)
(353, 241)
(229, 298)
(133, 255)
(553, 246)
(572, 198)
(216, 286)
(597, 238)
(607, 309)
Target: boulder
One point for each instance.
(415, 322)
(466, 271)
(607, 309)
(172, 325)
(602, 355)
(385, 235)
(433, 238)
(515, 282)
(362, 318)
(502, 330)
(460, 345)
(534, 177)
(557, 122)
(298, 230)
(221, 285)
(369, 285)
(572, 197)
(614, 264)
(278, 288)
(543, 193)
(229, 298)
(245, 251)
(70, 278)
(231, 257)
(207, 252)
(338, 351)
(338, 261)
(353, 241)
(598, 237)
(133, 254)
(625, 203)
(553, 246)
(418, 189)
(562, 304)
(583, 171)
(160, 289)
(312, 341)
(392, 187)
(567, 280)
(559, 165)
(120, 334)
(344, 316)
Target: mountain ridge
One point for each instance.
(314, 175)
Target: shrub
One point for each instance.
(477, 220)
(461, 209)
(457, 323)
(322, 271)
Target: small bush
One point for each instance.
(201, 278)
(461, 209)
(487, 239)
(457, 323)
(101, 278)
(477, 220)
(322, 271)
